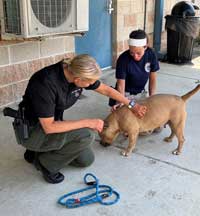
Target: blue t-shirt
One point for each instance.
(136, 73)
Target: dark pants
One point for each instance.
(58, 150)
(76, 152)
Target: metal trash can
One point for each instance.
(182, 28)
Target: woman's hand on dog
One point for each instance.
(95, 124)
(118, 105)
(139, 110)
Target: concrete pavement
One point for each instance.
(151, 182)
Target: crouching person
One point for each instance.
(52, 142)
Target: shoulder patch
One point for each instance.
(147, 67)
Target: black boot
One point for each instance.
(50, 177)
(29, 156)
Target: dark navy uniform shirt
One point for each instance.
(49, 93)
(136, 73)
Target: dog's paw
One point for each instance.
(167, 139)
(176, 152)
(125, 153)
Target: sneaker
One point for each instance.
(53, 178)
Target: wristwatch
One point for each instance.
(131, 104)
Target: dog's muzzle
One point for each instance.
(105, 144)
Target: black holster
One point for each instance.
(21, 129)
(20, 123)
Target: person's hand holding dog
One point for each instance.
(138, 110)
(95, 124)
(118, 105)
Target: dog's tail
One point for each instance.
(189, 94)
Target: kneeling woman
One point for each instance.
(54, 142)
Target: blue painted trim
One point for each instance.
(159, 5)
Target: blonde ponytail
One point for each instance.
(83, 66)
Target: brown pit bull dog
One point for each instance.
(161, 109)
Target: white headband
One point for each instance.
(137, 42)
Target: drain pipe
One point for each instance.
(145, 14)
(158, 16)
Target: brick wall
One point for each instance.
(19, 60)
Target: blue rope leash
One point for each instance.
(102, 192)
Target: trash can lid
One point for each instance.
(183, 9)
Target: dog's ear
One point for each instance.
(105, 125)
